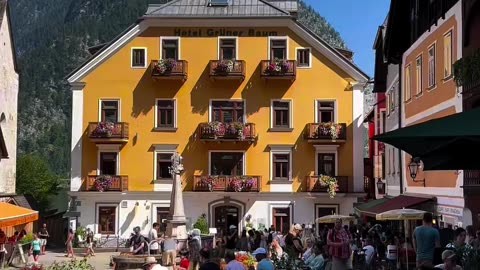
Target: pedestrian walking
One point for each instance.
(339, 244)
(69, 244)
(89, 240)
(43, 234)
(35, 248)
(425, 240)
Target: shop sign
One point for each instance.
(215, 32)
(447, 210)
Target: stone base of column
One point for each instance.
(178, 231)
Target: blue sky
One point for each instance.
(357, 22)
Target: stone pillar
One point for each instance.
(176, 223)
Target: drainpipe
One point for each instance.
(400, 161)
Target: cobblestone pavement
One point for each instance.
(100, 261)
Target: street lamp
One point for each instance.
(380, 187)
(413, 169)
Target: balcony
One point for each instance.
(315, 185)
(326, 132)
(471, 178)
(106, 183)
(227, 132)
(169, 69)
(246, 183)
(279, 70)
(227, 69)
(107, 132)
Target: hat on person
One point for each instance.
(232, 227)
(150, 260)
(259, 251)
(447, 254)
(297, 227)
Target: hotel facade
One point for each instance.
(257, 105)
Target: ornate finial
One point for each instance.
(177, 164)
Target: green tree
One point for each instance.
(36, 179)
(202, 224)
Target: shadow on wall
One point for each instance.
(148, 89)
(258, 91)
(128, 221)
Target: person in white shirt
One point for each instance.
(449, 261)
(369, 251)
(153, 235)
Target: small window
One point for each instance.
(303, 57)
(164, 162)
(228, 49)
(108, 163)
(278, 49)
(170, 49)
(281, 166)
(281, 218)
(387, 105)
(165, 113)
(418, 75)
(227, 111)
(326, 112)
(106, 219)
(431, 66)
(139, 58)
(408, 83)
(281, 114)
(392, 101)
(447, 55)
(109, 111)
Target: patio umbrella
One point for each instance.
(439, 142)
(333, 218)
(402, 214)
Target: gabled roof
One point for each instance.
(3, 146)
(3, 6)
(4, 9)
(200, 8)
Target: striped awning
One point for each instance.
(12, 215)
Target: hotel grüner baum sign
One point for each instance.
(215, 32)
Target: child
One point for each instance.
(35, 247)
(184, 262)
(90, 251)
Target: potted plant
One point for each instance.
(209, 181)
(216, 128)
(238, 129)
(164, 66)
(329, 129)
(277, 66)
(224, 66)
(467, 69)
(104, 129)
(240, 184)
(330, 182)
(103, 182)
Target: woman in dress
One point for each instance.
(69, 244)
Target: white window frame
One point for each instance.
(244, 159)
(175, 112)
(290, 109)
(270, 38)
(227, 37)
(335, 110)
(281, 150)
(119, 114)
(210, 108)
(434, 47)
(108, 148)
(178, 39)
(146, 57)
(448, 33)
(326, 149)
(162, 149)
(419, 80)
(97, 219)
(309, 57)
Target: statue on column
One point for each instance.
(176, 222)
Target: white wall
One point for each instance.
(8, 107)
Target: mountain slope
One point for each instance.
(52, 37)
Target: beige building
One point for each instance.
(8, 104)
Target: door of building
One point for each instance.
(225, 216)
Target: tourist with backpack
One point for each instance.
(138, 242)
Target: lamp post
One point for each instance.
(413, 169)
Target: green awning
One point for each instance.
(363, 209)
(441, 143)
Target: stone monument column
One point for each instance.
(176, 223)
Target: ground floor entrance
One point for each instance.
(226, 216)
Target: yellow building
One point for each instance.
(241, 92)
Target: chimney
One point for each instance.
(346, 53)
